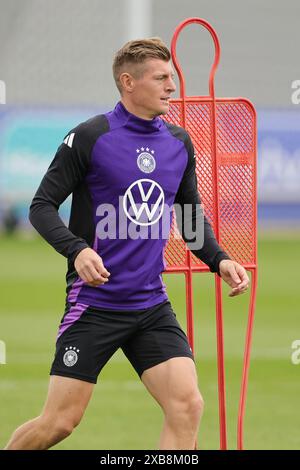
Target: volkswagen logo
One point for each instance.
(137, 200)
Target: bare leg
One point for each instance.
(66, 402)
(173, 384)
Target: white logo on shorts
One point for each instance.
(71, 356)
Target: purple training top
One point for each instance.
(125, 173)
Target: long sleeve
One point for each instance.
(66, 171)
(188, 199)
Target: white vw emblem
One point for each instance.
(137, 198)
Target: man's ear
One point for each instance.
(127, 82)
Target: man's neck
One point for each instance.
(141, 113)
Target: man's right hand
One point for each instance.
(90, 267)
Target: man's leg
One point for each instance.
(66, 402)
(173, 384)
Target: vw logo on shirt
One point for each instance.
(143, 202)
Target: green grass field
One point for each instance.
(122, 415)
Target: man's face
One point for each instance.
(152, 90)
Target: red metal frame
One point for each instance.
(223, 131)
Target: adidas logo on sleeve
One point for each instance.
(69, 139)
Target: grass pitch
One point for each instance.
(121, 414)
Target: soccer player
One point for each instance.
(124, 169)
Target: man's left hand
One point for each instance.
(235, 276)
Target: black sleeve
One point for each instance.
(67, 169)
(188, 199)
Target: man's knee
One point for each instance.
(61, 426)
(63, 429)
(186, 408)
(192, 405)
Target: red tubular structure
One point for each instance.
(223, 131)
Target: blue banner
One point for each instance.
(279, 156)
(29, 138)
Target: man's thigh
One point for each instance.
(67, 398)
(174, 380)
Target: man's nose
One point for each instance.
(171, 86)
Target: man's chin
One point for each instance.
(163, 110)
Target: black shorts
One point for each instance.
(90, 336)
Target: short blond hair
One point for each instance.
(136, 52)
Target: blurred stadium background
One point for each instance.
(55, 65)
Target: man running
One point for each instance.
(124, 169)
